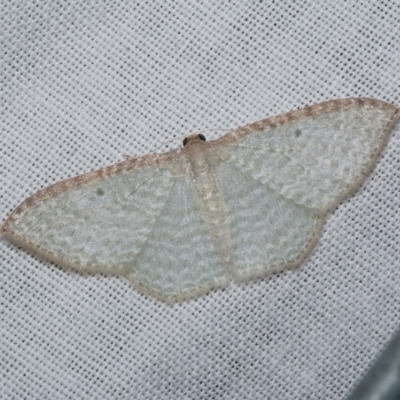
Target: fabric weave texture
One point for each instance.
(84, 83)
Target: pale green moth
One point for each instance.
(180, 223)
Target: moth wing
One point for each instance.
(280, 175)
(178, 259)
(96, 221)
(313, 156)
(269, 232)
(139, 221)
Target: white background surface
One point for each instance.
(84, 83)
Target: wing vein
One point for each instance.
(246, 173)
(156, 219)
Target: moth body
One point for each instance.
(209, 196)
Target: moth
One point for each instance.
(243, 206)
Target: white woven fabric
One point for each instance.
(83, 84)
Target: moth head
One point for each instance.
(194, 139)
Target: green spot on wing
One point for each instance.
(297, 132)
